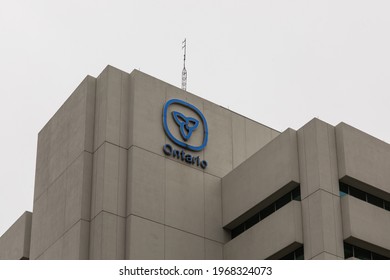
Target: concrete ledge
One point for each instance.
(363, 161)
(366, 225)
(15, 242)
(270, 237)
(270, 173)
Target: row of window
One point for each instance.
(346, 189)
(351, 251)
(296, 255)
(293, 195)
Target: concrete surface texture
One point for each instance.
(252, 184)
(360, 219)
(105, 188)
(15, 242)
(281, 230)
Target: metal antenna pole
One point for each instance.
(184, 72)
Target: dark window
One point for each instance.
(362, 254)
(267, 211)
(357, 193)
(299, 254)
(343, 189)
(252, 221)
(238, 230)
(378, 257)
(283, 201)
(296, 255)
(288, 257)
(296, 194)
(387, 205)
(375, 200)
(348, 251)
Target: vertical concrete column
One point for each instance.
(146, 169)
(321, 212)
(108, 202)
(62, 194)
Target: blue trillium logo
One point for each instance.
(187, 125)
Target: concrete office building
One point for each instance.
(131, 167)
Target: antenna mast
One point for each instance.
(184, 72)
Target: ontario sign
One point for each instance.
(185, 126)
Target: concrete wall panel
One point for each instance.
(180, 245)
(65, 136)
(73, 245)
(145, 239)
(256, 136)
(270, 169)
(366, 222)
(219, 149)
(239, 139)
(54, 252)
(109, 180)
(112, 108)
(76, 242)
(184, 198)
(173, 92)
(146, 193)
(107, 237)
(317, 158)
(146, 112)
(62, 185)
(55, 212)
(274, 133)
(320, 190)
(213, 250)
(113, 119)
(15, 242)
(48, 223)
(281, 229)
(78, 190)
(38, 227)
(213, 209)
(322, 225)
(363, 160)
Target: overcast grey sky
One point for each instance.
(278, 62)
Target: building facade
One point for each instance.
(131, 167)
